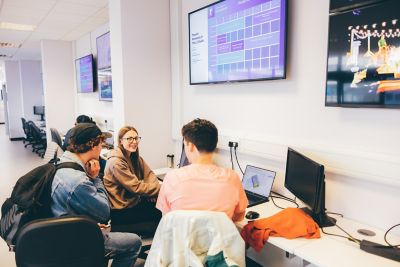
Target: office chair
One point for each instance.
(71, 241)
(55, 136)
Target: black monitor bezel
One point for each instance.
(94, 80)
(285, 53)
(316, 207)
(38, 113)
(337, 11)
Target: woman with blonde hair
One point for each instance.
(131, 185)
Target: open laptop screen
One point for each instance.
(184, 160)
(258, 180)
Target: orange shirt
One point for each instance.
(202, 187)
(289, 223)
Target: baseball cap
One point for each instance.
(84, 132)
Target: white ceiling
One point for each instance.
(54, 20)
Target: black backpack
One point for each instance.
(30, 199)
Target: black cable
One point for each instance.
(348, 238)
(387, 233)
(328, 212)
(237, 161)
(272, 198)
(230, 148)
(284, 198)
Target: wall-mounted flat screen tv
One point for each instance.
(236, 40)
(84, 68)
(363, 68)
(105, 84)
(103, 51)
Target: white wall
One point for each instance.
(14, 97)
(32, 87)
(141, 66)
(58, 83)
(359, 147)
(2, 82)
(89, 103)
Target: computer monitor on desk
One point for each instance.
(39, 110)
(305, 178)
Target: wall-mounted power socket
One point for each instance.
(233, 144)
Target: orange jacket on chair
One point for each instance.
(289, 223)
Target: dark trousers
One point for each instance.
(141, 219)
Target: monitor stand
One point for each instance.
(41, 117)
(322, 219)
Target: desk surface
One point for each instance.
(329, 251)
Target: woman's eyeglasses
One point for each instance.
(131, 139)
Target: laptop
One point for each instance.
(257, 184)
(183, 160)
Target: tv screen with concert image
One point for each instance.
(364, 56)
(236, 40)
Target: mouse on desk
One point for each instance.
(251, 215)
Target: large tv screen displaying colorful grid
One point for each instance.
(238, 40)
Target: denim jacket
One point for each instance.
(74, 193)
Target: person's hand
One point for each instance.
(92, 168)
(104, 227)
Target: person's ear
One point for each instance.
(191, 146)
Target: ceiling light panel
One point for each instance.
(16, 26)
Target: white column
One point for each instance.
(58, 83)
(32, 87)
(14, 99)
(141, 67)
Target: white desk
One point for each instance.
(161, 172)
(329, 251)
(267, 210)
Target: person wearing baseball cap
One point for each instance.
(76, 192)
(79, 119)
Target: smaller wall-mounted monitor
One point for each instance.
(85, 81)
(305, 178)
(39, 110)
(236, 40)
(105, 84)
(363, 66)
(103, 51)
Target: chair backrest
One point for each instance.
(55, 136)
(35, 131)
(24, 126)
(53, 151)
(60, 242)
(190, 238)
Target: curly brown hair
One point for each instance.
(83, 148)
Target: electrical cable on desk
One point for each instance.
(341, 215)
(230, 149)
(284, 198)
(237, 161)
(272, 198)
(348, 237)
(384, 237)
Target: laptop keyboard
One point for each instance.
(252, 198)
